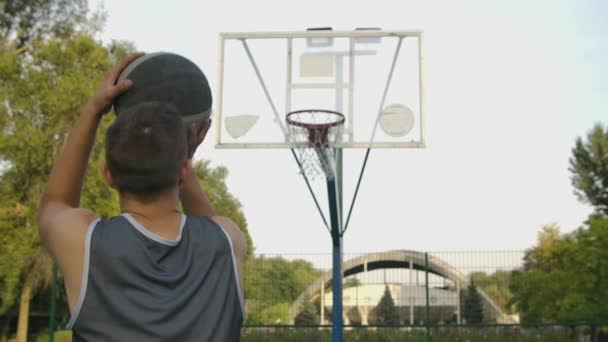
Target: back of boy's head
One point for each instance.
(145, 149)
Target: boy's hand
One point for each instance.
(101, 101)
(194, 138)
(194, 199)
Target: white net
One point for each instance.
(314, 134)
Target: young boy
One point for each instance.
(151, 273)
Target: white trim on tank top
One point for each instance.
(239, 290)
(85, 275)
(147, 233)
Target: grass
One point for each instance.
(409, 334)
(511, 334)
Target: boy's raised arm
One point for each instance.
(193, 197)
(65, 182)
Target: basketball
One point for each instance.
(167, 78)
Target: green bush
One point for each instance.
(275, 314)
(60, 336)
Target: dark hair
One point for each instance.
(145, 148)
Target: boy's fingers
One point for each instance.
(192, 140)
(204, 130)
(119, 88)
(192, 134)
(124, 86)
(118, 68)
(206, 126)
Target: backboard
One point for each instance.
(373, 77)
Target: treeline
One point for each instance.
(50, 63)
(272, 284)
(565, 276)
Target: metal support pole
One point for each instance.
(412, 293)
(336, 237)
(339, 79)
(458, 318)
(322, 320)
(426, 284)
(336, 312)
(340, 184)
(53, 305)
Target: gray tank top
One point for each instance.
(138, 286)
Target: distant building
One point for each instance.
(360, 300)
(359, 303)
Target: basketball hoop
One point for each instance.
(314, 133)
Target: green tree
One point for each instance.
(543, 279)
(23, 22)
(590, 270)
(472, 310)
(40, 103)
(496, 286)
(544, 256)
(275, 280)
(386, 311)
(48, 69)
(32, 34)
(589, 168)
(565, 277)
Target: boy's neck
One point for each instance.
(159, 206)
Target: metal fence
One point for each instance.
(424, 288)
(443, 296)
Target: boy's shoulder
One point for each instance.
(234, 233)
(65, 229)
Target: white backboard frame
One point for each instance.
(289, 36)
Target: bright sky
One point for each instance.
(510, 85)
